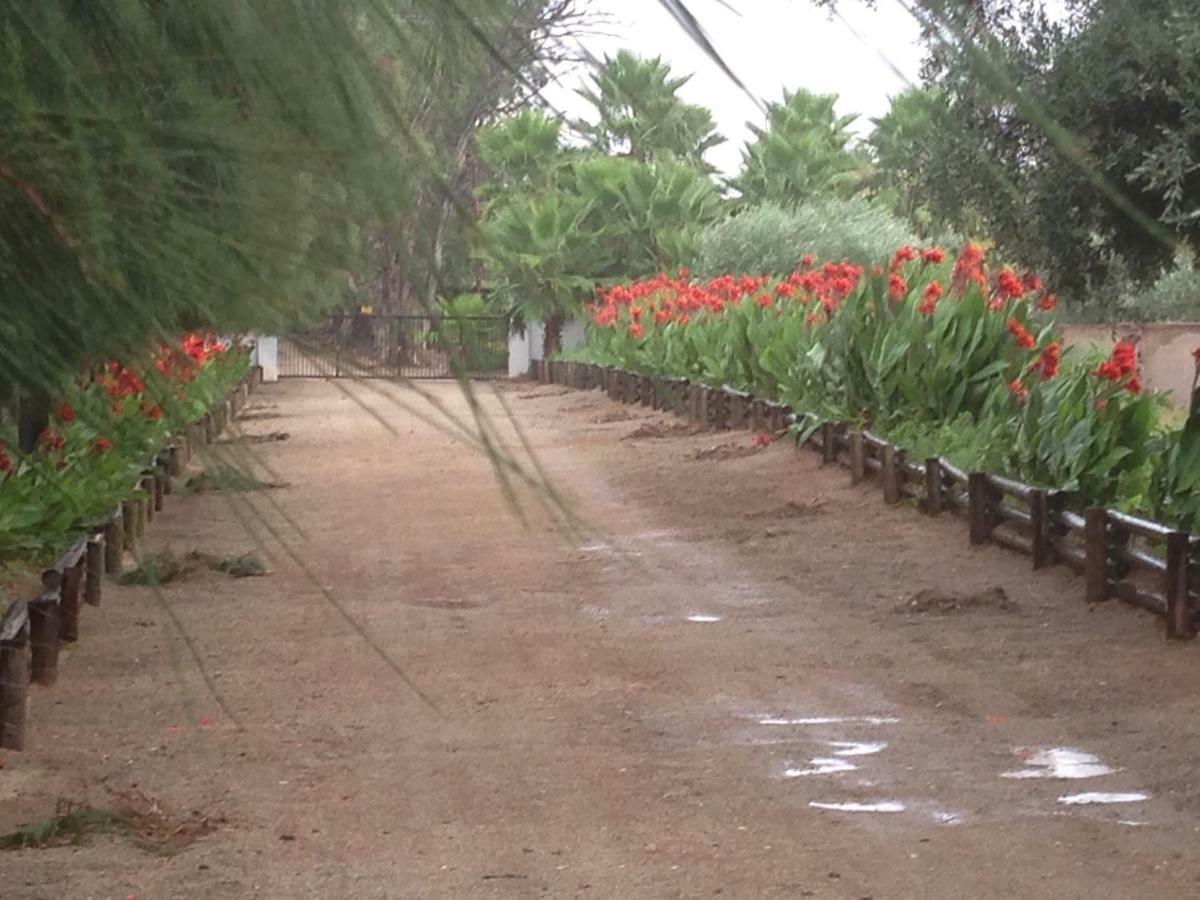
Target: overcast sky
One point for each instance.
(771, 45)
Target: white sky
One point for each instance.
(771, 45)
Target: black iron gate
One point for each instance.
(380, 346)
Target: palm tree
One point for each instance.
(641, 115)
(804, 151)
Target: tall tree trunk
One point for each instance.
(434, 282)
(33, 418)
(552, 335)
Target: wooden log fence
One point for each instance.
(1138, 561)
(32, 630)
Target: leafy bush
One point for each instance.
(1174, 297)
(769, 239)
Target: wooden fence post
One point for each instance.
(858, 458)
(935, 486)
(114, 542)
(1180, 624)
(630, 394)
(148, 487)
(979, 503)
(828, 447)
(1039, 527)
(43, 638)
(1095, 538)
(94, 579)
(718, 402)
(68, 604)
(889, 472)
(14, 679)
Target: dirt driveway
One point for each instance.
(751, 681)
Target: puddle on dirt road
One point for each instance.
(884, 806)
(1089, 797)
(1059, 762)
(703, 618)
(821, 765)
(855, 748)
(830, 720)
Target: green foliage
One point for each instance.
(643, 217)
(903, 144)
(1174, 297)
(803, 152)
(640, 115)
(770, 239)
(1072, 140)
(522, 152)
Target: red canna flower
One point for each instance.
(1109, 370)
(66, 413)
(1196, 354)
(1134, 385)
(934, 291)
(152, 412)
(1032, 282)
(51, 440)
(1024, 339)
(897, 287)
(933, 255)
(1124, 355)
(806, 261)
(636, 330)
(636, 313)
(764, 300)
(1018, 390)
(1048, 302)
(903, 255)
(1009, 286)
(102, 445)
(1049, 361)
(6, 464)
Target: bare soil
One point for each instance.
(709, 691)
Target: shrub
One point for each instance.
(768, 239)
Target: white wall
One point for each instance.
(524, 349)
(266, 354)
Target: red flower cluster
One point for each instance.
(6, 463)
(929, 300)
(51, 441)
(969, 267)
(66, 413)
(120, 382)
(677, 300)
(1008, 287)
(1024, 339)
(102, 445)
(897, 287)
(1048, 362)
(1121, 366)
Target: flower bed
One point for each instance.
(936, 351)
(105, 431)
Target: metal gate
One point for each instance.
(381, 346)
